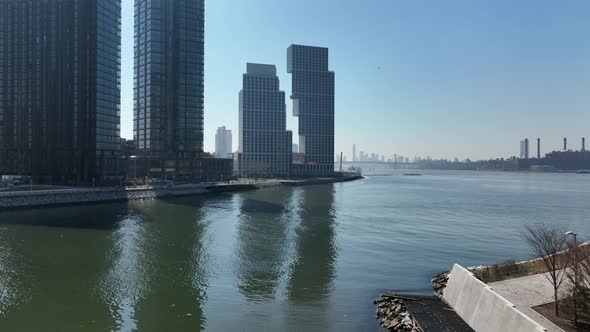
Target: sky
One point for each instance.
(453, 78)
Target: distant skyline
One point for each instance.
(460, 78)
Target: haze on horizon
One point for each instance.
(459, 78)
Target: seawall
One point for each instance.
(48, 198)
(481, 307)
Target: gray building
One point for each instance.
(223, 143)
(264, 142)
(59, 90)
(524, 149)
(313, 102)
(168, 87)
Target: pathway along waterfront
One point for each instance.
(307, 258)
(70, 196)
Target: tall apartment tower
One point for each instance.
(168, 87)
(354, 152)
(223, 142)
(264, 142)
(59, 90)
(313, 102)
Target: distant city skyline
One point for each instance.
(506, 71)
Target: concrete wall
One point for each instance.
(23, 199)
(480, 307)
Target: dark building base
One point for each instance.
(312, 170)
(180, 167)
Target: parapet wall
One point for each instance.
(25, 199)
(482, 308)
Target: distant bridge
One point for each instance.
(384, 163)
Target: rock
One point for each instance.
(392, 314)
(439, 282)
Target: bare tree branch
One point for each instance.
(549, 242)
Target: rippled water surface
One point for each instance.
(298, 259)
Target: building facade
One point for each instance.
(168, 87)
(60, 90)
(313, 102)
(264, 142)
(223, 143)
(217, 169)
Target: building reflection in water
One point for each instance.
(261, 238)
(127, 277)
(12, 278)
(51, 261)
(92, 216)
(177, 264)
(313, 267)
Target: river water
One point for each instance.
(283, 259)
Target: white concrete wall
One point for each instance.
(483, 309)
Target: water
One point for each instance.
(297, 259)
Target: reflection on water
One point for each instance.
(261, 245)
(93, 216)
(58, 256)
(178, 280)
(128, 276)
(11, 275)
(312, 271)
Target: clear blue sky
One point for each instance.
(465, 78)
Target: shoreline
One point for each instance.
(21, 200)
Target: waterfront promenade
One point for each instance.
(55, 197)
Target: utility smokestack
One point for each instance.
(565, 144)
(538, 148)
(583, 143)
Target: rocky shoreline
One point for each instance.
(393, 314)
(439, 282)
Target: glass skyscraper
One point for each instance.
(60, 89)
(313, 102)
(168, 87)
(264, 142)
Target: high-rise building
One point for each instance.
(264, 142)
(223, 142)
(313, 102)
(59, 89)
(354, 152)
(168, 87)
